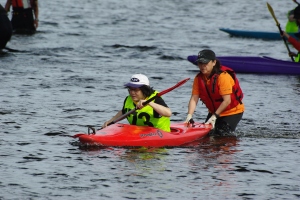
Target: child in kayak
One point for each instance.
(155, 114)
(218, 88)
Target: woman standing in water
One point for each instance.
(218, 88)
(22, 15)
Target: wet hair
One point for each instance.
(216, 68)
(146, 90)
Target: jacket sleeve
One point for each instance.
(294, 42)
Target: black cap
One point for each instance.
(297, 12)
(205, 56)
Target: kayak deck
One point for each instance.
(130, 135)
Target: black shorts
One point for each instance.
(225, 126)
(22, 20)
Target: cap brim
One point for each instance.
(133, 85)
(202, 60)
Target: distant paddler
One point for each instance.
(280, 30)
(291, 25)
(293, 41)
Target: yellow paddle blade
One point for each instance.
(272, 13)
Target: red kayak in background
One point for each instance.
(122, 135)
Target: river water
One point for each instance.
(70, 74)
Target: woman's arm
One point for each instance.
(112, 119)
(7, 5)
(160, 109)
(35, 8)
(191, 107)
(226, 101)
(192, 104)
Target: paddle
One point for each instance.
(151, 99)
(280, 30)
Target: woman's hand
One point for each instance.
(105, 124)
(140, 105)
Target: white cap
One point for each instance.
(137, 80)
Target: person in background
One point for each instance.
(155, 114)
(5, 27)
(292, 40)
(218, 88)
(25, 15)
(291, 25)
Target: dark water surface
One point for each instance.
(70, 75)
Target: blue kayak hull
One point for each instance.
(256, 65)
(265, 35)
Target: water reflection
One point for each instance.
(146, 159)
(217, 152)
(214, 158)
(219, 144)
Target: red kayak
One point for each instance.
(130, 135)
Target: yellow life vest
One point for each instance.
(146, 116)
(297, 58)
(291, 27)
